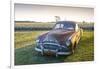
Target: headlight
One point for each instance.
(37, 40)
(68, 42)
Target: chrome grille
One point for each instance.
(52, 47)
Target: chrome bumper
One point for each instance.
(54, 51)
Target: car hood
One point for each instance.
(58, 35)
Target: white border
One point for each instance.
(12, 36)
(75, 3)
(53, 65)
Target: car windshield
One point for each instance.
(64, 26)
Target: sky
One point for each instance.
(47, 13)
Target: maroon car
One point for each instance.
(61, 40)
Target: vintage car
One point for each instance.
(61, 40)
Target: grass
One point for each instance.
(25, 53)
(25, 38)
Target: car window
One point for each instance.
(68, 26)
(64, 26)
(59, 26)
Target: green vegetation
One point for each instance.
(25, 38)
(46, 25)
(25, 53)
(25, 24)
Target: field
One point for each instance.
(30, 26)
(25, 53)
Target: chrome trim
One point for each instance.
(37, 49)
(63, 53)
(46, 50)
(52, 44)
(58, 53)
